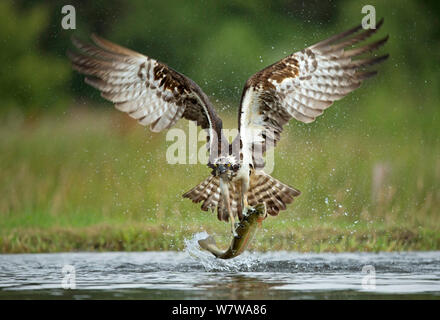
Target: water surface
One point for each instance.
(194, 274)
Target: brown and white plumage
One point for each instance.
(263, 188)
(300, 86)
(146, 89)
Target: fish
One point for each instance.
(245, 231)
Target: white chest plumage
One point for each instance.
(251, 126)
(242, 173)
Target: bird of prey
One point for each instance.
(300, 86)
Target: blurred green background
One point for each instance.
(78, 175)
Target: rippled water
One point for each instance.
(195, 274)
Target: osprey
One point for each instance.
(300, 86)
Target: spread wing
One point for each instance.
(146, 89)
(301, 86)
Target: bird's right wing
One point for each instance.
(144, 88)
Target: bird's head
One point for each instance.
(224, 166)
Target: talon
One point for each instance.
(252, 210)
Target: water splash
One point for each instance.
(242, 263)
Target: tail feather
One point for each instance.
(263, 189)
(276, 195)
(235, 201)
(203, 190)
(207, 191)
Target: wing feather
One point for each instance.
(302, 86)
(145, 88)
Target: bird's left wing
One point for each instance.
(301, 86)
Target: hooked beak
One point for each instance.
(221, 169)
